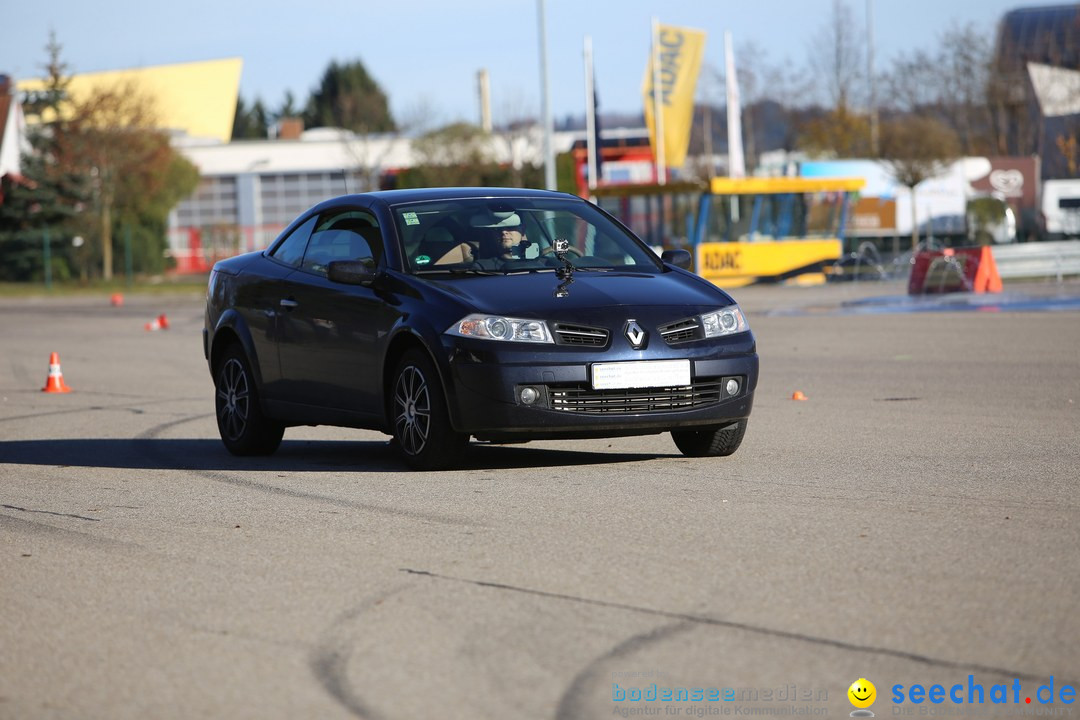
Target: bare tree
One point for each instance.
(839, 132)
(770, 92)
(710, 88)
(914, 82)
(369, 151)
(952, 84)
(966, 57)
(111, 134)
(916, 148)
(516, 121)
(837, 55)
(453, 155)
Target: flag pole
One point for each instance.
(736, 159)
(658, 115)
(550, 181)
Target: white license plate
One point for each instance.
(646, 373)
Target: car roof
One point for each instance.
(395, 197)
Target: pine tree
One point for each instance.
(348, 97)
(46, 198)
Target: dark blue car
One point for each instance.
(506, 315)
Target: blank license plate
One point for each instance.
(647, 373)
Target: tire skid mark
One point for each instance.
(50, 512)
(330, 658)
(573, 702)
(31, 527)
(747, 627)
(226, 477)
(94, 408)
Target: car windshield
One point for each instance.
(511, 235)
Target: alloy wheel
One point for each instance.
(234, 396)
(412, 410)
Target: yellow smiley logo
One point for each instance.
(862, 693)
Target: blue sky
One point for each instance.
(425, 53)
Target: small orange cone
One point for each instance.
(55, 382)
(116, 300)
(798, 395)
(159, 323)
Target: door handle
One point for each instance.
(289, 304)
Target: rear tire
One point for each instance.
(243, 428)
(422, 430)
(710, 441)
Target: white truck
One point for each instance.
(1061, 208)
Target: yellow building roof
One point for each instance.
(197, 98)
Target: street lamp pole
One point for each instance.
(545, 91)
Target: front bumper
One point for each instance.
(485, 386)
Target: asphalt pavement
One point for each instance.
(914, 521)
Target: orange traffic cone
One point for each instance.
(55, 382)
(798, 395)
(987, 278)
(159, 323)
(116, 300)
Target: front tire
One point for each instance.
(243, 428)
(711, 441)
(422, 430)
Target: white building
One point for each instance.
(250, 190)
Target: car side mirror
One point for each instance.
(678, 258)
(352, 272)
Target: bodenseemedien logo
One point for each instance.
(862, 694)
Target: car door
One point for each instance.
(332, 332)
(258, 299)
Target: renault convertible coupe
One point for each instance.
(505, 315)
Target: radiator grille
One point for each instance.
(580, 335)
(681, 331)
(635, 401)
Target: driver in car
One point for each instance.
(506, 239)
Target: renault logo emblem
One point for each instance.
(635, 334)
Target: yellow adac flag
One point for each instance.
(680, 52)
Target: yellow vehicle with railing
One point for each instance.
(742, 230)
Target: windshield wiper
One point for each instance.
(456, 271)
(529, 271)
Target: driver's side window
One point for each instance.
(343, 235)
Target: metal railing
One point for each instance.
(1038, 259)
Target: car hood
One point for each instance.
(533, 294)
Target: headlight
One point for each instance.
(725, 321)
(495, 327)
